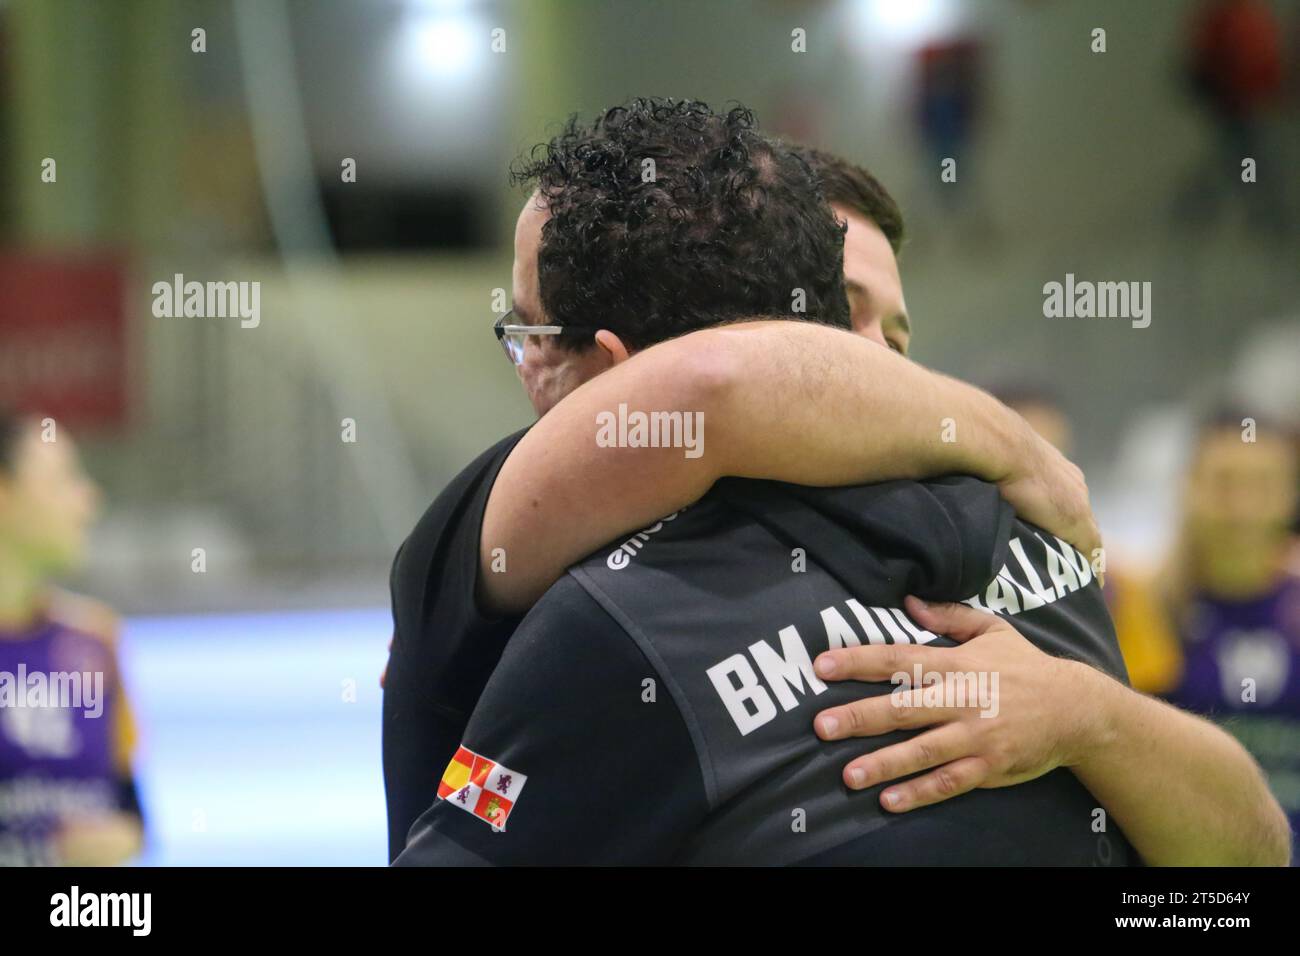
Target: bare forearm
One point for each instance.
(836, 409)
(1184, 792)
(790, 401)
(818, 406)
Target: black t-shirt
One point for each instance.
(656, 705)
(444, 648)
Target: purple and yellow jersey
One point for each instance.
(65, 731)
(1242, 667)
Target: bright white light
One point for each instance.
(909, 22)
(441, 75)
(443, 46)
(441, 6)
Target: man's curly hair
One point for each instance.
(723, 224)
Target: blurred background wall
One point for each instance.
(377, 294)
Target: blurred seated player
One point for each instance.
(67, 794)
(1233, 593)
(1150, 648)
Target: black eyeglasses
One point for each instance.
(512, 336)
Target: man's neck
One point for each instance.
(22, 595)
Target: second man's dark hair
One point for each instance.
(853, 187)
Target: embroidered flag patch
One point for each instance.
(481, 786)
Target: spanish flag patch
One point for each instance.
(481, 786)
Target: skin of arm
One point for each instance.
(783, 400)
(1184, 792)
(1188, 790)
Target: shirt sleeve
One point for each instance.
(979, 524)
(940, 539)
(444, 648)
(603, 768)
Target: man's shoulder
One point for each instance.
(568, 643)
(432, 583)
(86, 616)
(87, 629)
(651, 545)
(472, 476)
(566, 598)
(497, 451)
(685, 565)
(938, 539)
(474, 479)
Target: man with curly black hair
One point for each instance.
(665, 218)
(659, 219)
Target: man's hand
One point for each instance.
(1049, 490)
(1184, 791)
(1034, 720)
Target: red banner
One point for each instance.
(63, 338)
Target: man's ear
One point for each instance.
(613, 346)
